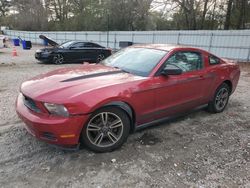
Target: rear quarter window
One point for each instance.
(214, 60)
(92, 45)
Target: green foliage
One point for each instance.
(103, 15)
(4, 7)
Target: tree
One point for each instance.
(242, 13)
(29, 15)
(204, 12)
(228, 14)
(102, 15)
(4, 7)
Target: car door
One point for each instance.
(177, 93)
(92, 51)
(76, 52)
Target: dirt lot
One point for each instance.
(198, 150)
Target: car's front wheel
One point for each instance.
(106, 130)
(58, 59)
(220, 100)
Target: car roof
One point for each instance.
(75, 41)
(79, 41)
(165, 47)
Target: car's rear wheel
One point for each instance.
(220, 100)
(58, 59)
(100, 57)
(106, 130)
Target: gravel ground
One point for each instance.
(197, 150)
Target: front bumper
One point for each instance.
(44, 57)
(54, 130)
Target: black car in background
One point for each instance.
(72, 51)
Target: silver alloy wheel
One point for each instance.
(100, 58)
(104, 129)
(58, 59)
(221, 98)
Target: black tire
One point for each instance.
(58, 59)
(219, 103)
(100, 57)
(107, 142)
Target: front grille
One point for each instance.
(37, 54)
(29, 103)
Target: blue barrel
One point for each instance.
(45, 42)
(16, 42)
(24, 44)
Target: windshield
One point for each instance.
(66, 44)
(138, 61)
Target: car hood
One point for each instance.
(50, 41)
(68, 83)
(45, 50)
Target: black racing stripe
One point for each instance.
(92, 75)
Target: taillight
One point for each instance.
(110, 49)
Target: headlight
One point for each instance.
(47, 52)
(57, 109)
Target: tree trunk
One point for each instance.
(213, 14)
(204, 14)
(228, 15)
(240, 24)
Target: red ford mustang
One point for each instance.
(99, 105)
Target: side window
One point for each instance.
(92, 45)
(187, 61)
(78, 45)
(214, 60)
(88, 45)
(96, 45)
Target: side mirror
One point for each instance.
(171, 70)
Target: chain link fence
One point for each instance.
(232, 44)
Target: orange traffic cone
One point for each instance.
(14, 52)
